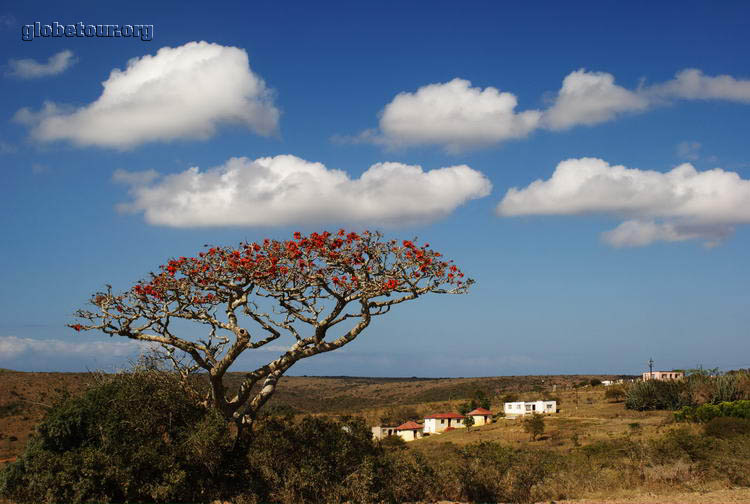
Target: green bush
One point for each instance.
(128, 437)
(657, 395)
(707, 412)
(534, 425)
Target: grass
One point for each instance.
(586, 421)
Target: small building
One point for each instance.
(409, 431)
(441, 421)
(383, 431)
(481, 416)
(521, 408)
(663, 375)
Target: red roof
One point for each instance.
(445, 415)
(409, 426)
(479, 411)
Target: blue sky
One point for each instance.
(632, 117)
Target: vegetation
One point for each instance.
(534, 425)
(137, 437)
(700, 387)
(615, 393)
(320, 290)
(707, 412)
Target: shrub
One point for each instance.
(707, 412)
(128, 437)
(657, 395)
(615, 393)
(534, 425)
(727, 427)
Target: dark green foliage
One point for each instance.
(309, 461)
(479, 400)
(707, 412)
(534, 425)
(701, 387)
(469, 422)
(657, 395)
(130, 437)
(399, 414)
(594, 382)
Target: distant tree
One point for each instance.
(245, 298)
(534, 425)
(482, 400)
(615, 394)
(469, 422)
(465, 407)
(595, 382)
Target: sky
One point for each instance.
(587, 164)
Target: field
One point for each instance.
(586, 419)
(23, 396)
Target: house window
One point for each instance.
(442, 421)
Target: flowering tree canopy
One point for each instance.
(322, 290)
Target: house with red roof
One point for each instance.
(409, 431)
(439, 422)
(481, 416)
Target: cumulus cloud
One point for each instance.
(590, 98)
(681, 204)
(285, 190)
(32, 69)
(457, 116)
(692, 84)
(13, 347)
(181, 92)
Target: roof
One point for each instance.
(479, 411)
(445, 415)
(409, 426)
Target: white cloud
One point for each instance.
(181, 92)
(285, 190)
(590, 98)
(681, 204)
(455, 115)
(692, 84)
(13, 347)
(32, 69)
(638, 233)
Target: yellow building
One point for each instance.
(481, 416)
(409, 431)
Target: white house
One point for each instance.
(481, 416)
(663, 375)
(409, 431)
(442, 421)
(383, 431)
(521, 408)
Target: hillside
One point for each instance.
(24, 395)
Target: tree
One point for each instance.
(534, 425)
(247, 297)
(615, 393)
(469, 422)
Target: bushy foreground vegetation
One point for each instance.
(135, 437)
(695, 390)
